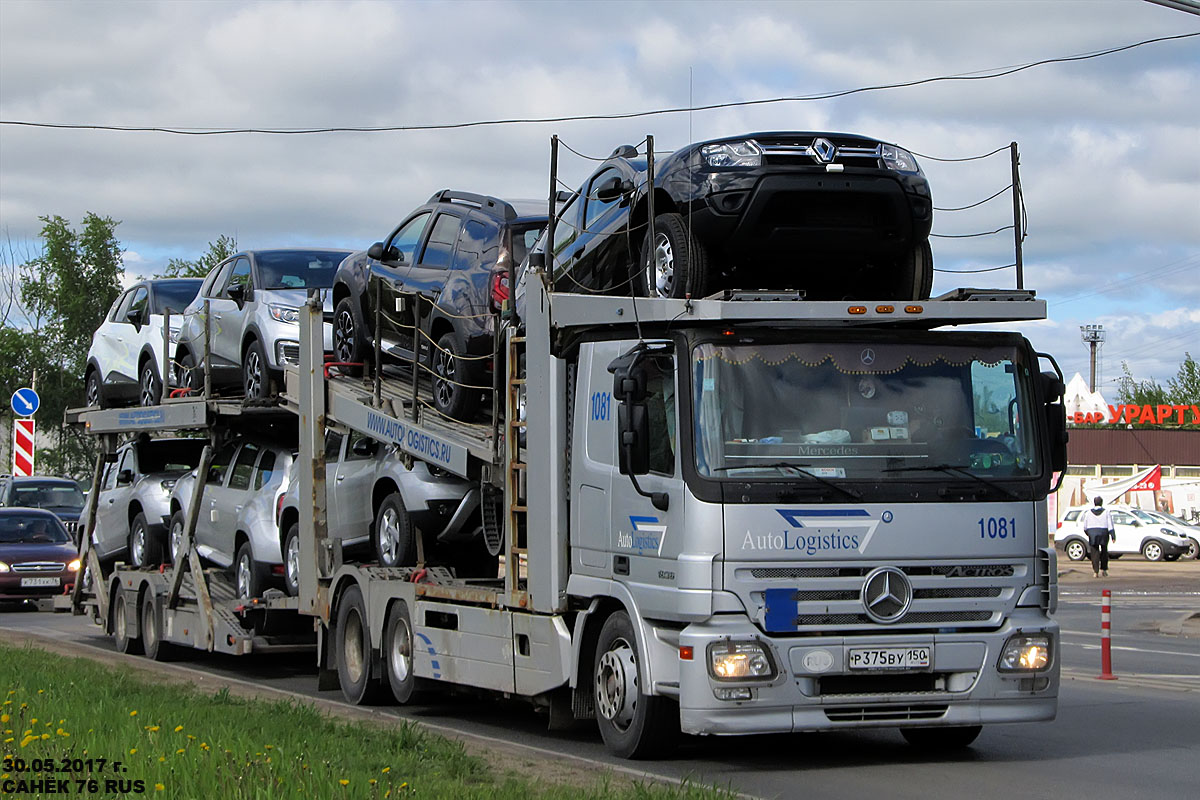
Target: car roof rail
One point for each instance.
(493, 205)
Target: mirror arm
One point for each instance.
(660, 500)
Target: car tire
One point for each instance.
(915, 273)
(248, 578)
(399, 647)
(672, 262)
(256, 374)
(1076, 550)
(123, 631)
(632, 723)
(1193, 550)
(93, 390)
(291, 560)
(144, 549)
(175, 536)
(152, 631)
(942, 739)
(352, 650)
(191, 376)
(149, 385)
(393, 534)
(1152, 551)
(451, 378)
(1173, 557)
(349, 343)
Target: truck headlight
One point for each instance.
(899, 159)
(284, 313)
(1025, 653)
(739, 661)
(74, 566)
(733, 154)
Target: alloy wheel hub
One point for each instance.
(616, 685)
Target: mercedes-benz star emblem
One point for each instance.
(886, 594)
(867, 356)
(822, 150)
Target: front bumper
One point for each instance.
(961, 687)
(11, 588)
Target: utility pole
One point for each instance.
(1093, 337)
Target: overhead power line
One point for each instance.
(973, 76)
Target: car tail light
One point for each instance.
(278, 509)
(500, 291)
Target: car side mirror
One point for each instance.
(135, 318)
(125, 477)
(237, 293)
(389, 254)
(611, 190)
(364, 447)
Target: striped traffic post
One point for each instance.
(1106, 673)
(22, 463)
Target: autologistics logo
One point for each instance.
(814, 531)
(648, 534)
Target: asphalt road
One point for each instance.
(1135, 737)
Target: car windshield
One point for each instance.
(1142, 515)
(175, 296)
(31, 529)
(46, 494)
(177, 455)
(298, 269)
(877, 411)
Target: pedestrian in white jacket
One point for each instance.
(1098, 525)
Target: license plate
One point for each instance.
(31, 582)
(890, 657)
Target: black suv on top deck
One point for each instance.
(836, 215)
(456, 252)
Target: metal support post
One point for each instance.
(415, 299)
(87, 556)
(548, 250)
(207, 349)
(314, 536)
(649, 221)
(1015, 157)
(187, 551)
(377, 351)
(166, 356)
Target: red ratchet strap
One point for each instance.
(331, 364)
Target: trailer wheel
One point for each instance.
(144, 550)
(632, 723)
(152, 631)
(941, 739)
(395, 539)
(398, 655)
(291, 560)
(352, 640)
(125, 639)
(672, 263)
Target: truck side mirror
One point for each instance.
(1052, 390)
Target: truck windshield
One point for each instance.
(878, 411)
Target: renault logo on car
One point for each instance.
(886, 594)
(822, 150)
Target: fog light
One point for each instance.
(733, 693)
(1024, 653)
(734, 661)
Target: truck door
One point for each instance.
(593, 455)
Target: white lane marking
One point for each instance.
(1134, 650)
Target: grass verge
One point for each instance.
(170, 741)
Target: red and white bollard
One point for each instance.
(1106, 673)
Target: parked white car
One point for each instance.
(1155, 540)
(124, 364)
(1190, 532)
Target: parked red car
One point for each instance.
(37, 556)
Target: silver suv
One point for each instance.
(376, 505)
(253, 299)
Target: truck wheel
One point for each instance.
(247, 574)
(256, 377)
(125, 640)
(395, 539)
(291, 560)
(144, 549)
(352, 640)
(398, 651)
(149, 385)
(349, 344)
(632, 723)
(672, 262)
(452, 379)
(152, 631)
(941, 738)
(1152, 551)
(1076, 550)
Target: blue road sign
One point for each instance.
(25, 402)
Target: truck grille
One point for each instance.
(885, 713)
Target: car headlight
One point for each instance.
(173, 333)
(168, 484)
(74, 565)
(733, 154)
(899, 159)
(3, 567)
(1025, 653)
(739, 661)
(284, 313)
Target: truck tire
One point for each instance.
(145, 550)
(452, 379)
(1076, 550)
(393, 533)
(152, 631)
(398, 652)
(352, 643)
(632, 723)
(291, 560)
(124, 636)
(672, 262)
(941, 739)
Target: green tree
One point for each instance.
(218, 251)
(1185, 386)
(1183, 389)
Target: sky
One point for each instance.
(1109, 155)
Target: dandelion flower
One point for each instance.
(133, 713)
(158, 787)
(33, 721)
(386, 770)
(162, 758)
(8, 740)
(178, 728)
(372, 781)
(180, 751)
(152, 728)
(41, 691)
(45, 736)
(344, 782)
(4, 717)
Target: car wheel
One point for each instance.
(93, 392)
(915, 274)
(191, 376)
(352, 643)
(1193, 549)
(144, 549)
(349, 344)
(632, 723)
(123, 632)
(175, 536)
(395, 540)
(152, 631)
(256, 379)
(673, 263)
(291, 560)
(1152, 551)
(1076, 550)
(451, 393)
(149, 385)
(247, 575)
(398, 648)
(942, 739)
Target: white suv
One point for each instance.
(124, 364)
(1137, 532)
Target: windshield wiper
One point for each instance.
(793, 465)
(955, 469)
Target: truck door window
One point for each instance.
(660, 407)
(243, 468)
